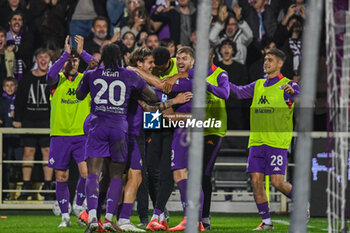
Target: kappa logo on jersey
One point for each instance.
(276, 169)
(151, 120)
(263, 100)
(71, 91)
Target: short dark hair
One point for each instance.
(231, 43)
(139, 54)
(16, 12)
(278, 53)
(152, 34)
(111, 57)
(9, 79)
(128, 32)
(100, 18)
(74, 53)
(3, 30)
(166, 42)
(161, 55)
(42, 50)
(186, 49)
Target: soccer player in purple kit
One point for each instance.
(158, 157)
(142, 59)
(110, 88)
(66, 124)
(271, 122)
(218, 91)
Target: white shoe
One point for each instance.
(77, 210)
(130, 227)
(264, 227)
(65, 223)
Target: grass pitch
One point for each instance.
(45, 221)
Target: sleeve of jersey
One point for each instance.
(289, 98)
(83, 87)
(52, 76)
(87, 57)
(243, 92)
(223, 89)
(140, 84)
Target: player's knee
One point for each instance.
(61, 176)
(256, 182)
(83, 174)
(176, 176)
(137, 177)
(83, 171)
(277, 183)
(28, 155)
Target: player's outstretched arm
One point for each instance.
(149, 95)
(243, 92)
(87, 57)
(223, 89)
(52, 76)
(169, 82)
(161, 106)
(149, 78)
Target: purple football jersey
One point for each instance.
(135, 118)
(110, 93)
(184, 84)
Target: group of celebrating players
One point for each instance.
(100, 125)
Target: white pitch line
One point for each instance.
(287, 223)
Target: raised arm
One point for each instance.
(243, 92)
(82, 53)
(52, 76)
(223, 89)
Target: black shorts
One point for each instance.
(32, 140)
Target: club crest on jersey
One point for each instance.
(151, 120)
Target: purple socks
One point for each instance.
(126, 210)
(62, 196)
(182, 185)
(80, 191)
(92, 191)
(157, 211)
(113, 195)
(263, 209)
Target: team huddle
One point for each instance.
(100, 125)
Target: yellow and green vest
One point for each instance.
(172, 70)
(271, 119)
(67, 112)
(216, 107)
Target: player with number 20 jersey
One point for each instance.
(110, 88)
